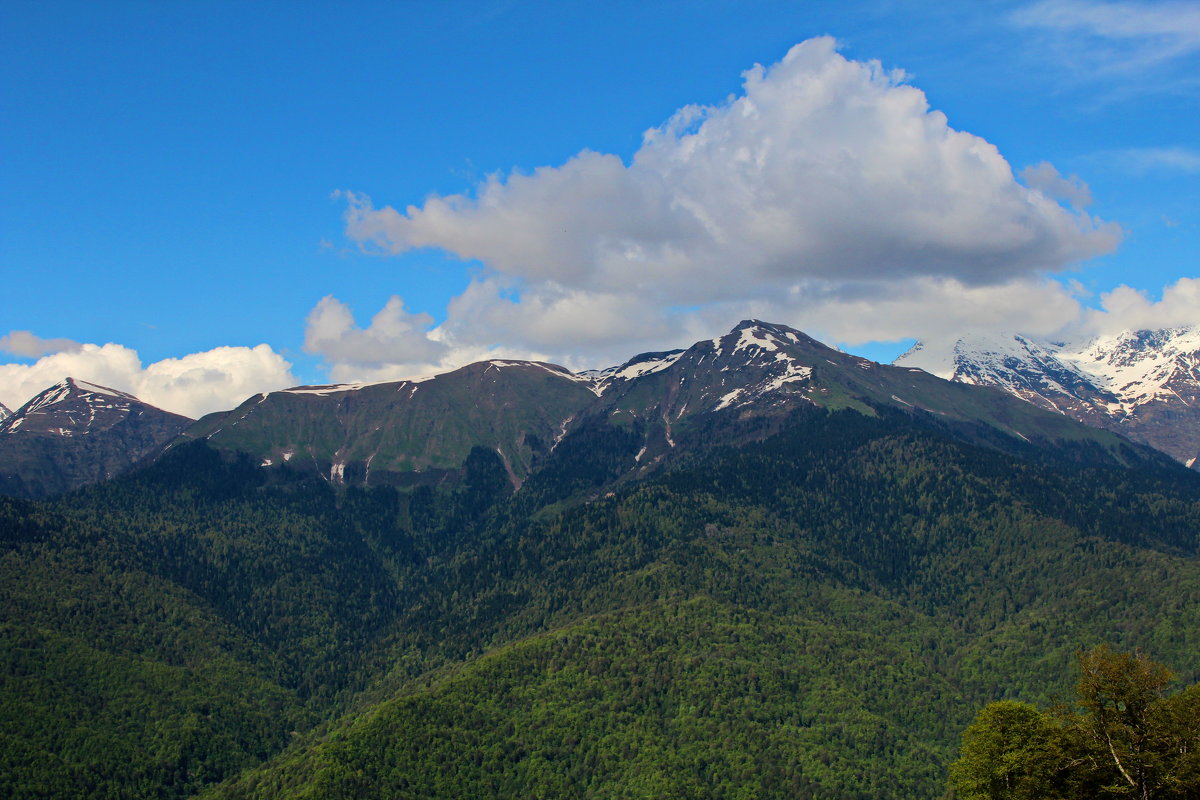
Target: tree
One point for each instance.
(1010, 752)
(1120, 694)
(1127, 738)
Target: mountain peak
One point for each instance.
(761, 328)
(1142, 383)
(75, 433)
(751, 323)
(73, 392)
(76, 407)
(758, 337)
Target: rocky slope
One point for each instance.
(1143, 384)
(75, 433)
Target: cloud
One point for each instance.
(822, 168)
(929, 308)
(192, 385)
(394, 337)
(583, 330)
(1108, 37)
(1047, 180)
(826, 181)
(24, 343)
(1149, 159)
(1126, 308)
(214, 380)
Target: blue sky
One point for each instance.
(204, 200)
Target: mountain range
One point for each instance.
(1142, 384)
(406, 431)
(756, 567)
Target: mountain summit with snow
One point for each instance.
(1144, 384)
(71, 408)
(75, 433)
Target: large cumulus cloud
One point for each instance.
(824, 183)
(823, 168)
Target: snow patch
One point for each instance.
(636, 369)
(756, 337)
(727, 399)
(328, 389)
(795, 372)
(104, 390)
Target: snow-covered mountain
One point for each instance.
(4, 412)
(1144, 384)
(75, 433)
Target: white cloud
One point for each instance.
(827, 191)
(393, 337)
(1109, 37)
(582, 330)
(1126, 308)
(25, 343)
(1047, 180)
(213, 380)
(929, 308)
(823, 168)
(1148, 159)
(192, 385)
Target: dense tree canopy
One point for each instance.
(815, 612)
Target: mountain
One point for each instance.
(1143, 384)
(75, 433)
(735, 387)
(817, 612)
(756, 374)
(809, 595)
(405, 432)
(5, 413)
(756, 567)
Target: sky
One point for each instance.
(201, 201)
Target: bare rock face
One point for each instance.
(76, 433)
(1143, 384)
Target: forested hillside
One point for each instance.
(817, 613)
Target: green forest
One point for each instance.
(820, 611)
